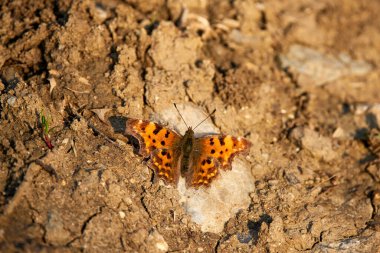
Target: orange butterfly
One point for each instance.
(198, 160)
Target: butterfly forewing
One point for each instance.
(151, 136)
(223, 148)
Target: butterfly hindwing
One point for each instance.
(164, 162)
(151, 136)
(204, 170)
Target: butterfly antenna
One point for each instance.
(180, 115)
(205, 119)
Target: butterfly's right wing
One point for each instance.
(214, 152)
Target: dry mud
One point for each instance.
(299, 79)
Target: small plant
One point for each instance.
(45, 130)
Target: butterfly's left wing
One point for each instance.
(212, 153)
(158, 143)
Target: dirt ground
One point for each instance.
(300, 79)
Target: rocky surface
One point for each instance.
(299, 79)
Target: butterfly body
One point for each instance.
(172, 155)
(187, 147)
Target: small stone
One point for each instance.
(163, 246)
(128, 201)
(159, 241)
(122, 214)
(83, 80)
(11, 100)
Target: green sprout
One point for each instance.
(45, 130)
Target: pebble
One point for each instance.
(11, 100)
(122, 214)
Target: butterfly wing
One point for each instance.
(214, 152)
(159, 144)
(164, 162)
(151, 136)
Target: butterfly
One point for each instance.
(171, 155)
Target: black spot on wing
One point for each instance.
(221, 141)
(157, 130)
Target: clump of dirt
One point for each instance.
(297, 79)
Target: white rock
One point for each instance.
(321, 68)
